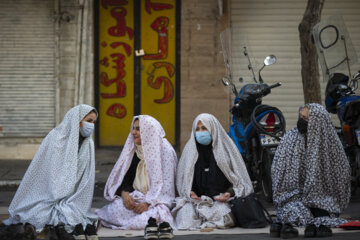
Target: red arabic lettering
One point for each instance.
(116, 110)
(106, 3)
(156, 6)
(120, 29)
(104, 62)
(169, 67)
(126, 46)
(168, 86)
(160, 25)
(119, 59)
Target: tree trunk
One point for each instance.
(309, 59)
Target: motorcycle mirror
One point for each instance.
(269, 60)
(225, 81)
(356, 75)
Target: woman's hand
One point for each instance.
(223, 197)
(193, 195)
(128, 201)
(141, 207)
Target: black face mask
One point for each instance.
(302, 125)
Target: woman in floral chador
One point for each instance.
(142, 183)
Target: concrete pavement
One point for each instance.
(12, 171)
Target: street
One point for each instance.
(352, 212)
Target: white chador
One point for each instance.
(58, 186)
(193, 214)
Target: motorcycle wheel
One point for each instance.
(266, 183)
(358, 164)
(353, 155)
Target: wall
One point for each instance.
(202, 64)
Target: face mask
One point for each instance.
(302, 125)
(87, 129)
(203, 137)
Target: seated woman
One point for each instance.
(210, 170)
(311, 176)
(57, 189)
(142, 183)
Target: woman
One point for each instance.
(210, 171)
(142, 183)
(57, 188)
(311, 176)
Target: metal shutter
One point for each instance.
(27, 67)
(271, 27)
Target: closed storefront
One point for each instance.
(137, 67)
(271, 27)
(27, 68)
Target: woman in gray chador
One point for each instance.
(311, 176)
(210, 170)
(57, 190)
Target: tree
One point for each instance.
(309, 58)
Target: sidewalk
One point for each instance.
(12, 171)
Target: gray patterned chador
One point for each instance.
(311, 174)
(58, 186)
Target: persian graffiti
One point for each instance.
(129, 83)
(156, 6)
(168, 86)
(121, 29)
(160, 25)
(106, 3)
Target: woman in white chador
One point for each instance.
(142, 182)
(210, 171)
(57, 188)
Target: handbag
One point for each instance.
(249, 212)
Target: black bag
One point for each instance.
(249, 212)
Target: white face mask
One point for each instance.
(87, 129)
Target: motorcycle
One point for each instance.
(340, 99)
(256, 128)
(337, 53)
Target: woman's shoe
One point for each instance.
(310, 231)
(62, 233)
(323, 231)
(165, 231)
(275, 229)
(78, 232)
(288, 231)
(151, 229)
(90, 232)
(29, 231)
(48, 233)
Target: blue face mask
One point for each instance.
(87, 129)
(203, 137)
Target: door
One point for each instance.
(137, 59)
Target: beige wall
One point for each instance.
(202, 64)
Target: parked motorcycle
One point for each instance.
(337, 54)
(256, 128)
(340, 99)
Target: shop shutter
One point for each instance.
(27, 68)
(271, 27)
